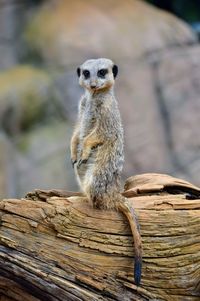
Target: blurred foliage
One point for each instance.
(188, 10)
(26, 102)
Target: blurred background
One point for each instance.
(156, 46)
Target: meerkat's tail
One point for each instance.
(125, 207)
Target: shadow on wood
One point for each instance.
(54, 246)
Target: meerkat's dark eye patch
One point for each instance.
(86, 73)
(102, 72)
(78, 70)
(115, 70)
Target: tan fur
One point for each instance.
(97, 145)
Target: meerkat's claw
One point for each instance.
(81, 161)
(73, 162)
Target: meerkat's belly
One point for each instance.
(84, 172)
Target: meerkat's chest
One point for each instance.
(89, 118)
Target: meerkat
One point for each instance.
(97, 146)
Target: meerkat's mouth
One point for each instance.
(95, 89)
(99, 88)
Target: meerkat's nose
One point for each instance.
(93, 86)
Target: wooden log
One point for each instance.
(55, 246)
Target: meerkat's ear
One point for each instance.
(78, 70)
(115, 70)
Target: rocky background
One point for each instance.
(158, 88)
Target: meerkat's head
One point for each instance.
(97, 74)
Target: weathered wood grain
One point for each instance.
(54, 246)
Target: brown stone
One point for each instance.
(157, 88)
(74, 30)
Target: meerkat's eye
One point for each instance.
(102, 72)
(86, 73)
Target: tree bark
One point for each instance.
(55, 246)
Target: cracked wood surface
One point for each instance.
(54, 246)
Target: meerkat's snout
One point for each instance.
(93, 85)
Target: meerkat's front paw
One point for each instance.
(81, 161)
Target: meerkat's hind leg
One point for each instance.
(124, 206)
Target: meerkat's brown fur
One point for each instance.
(97, 146)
